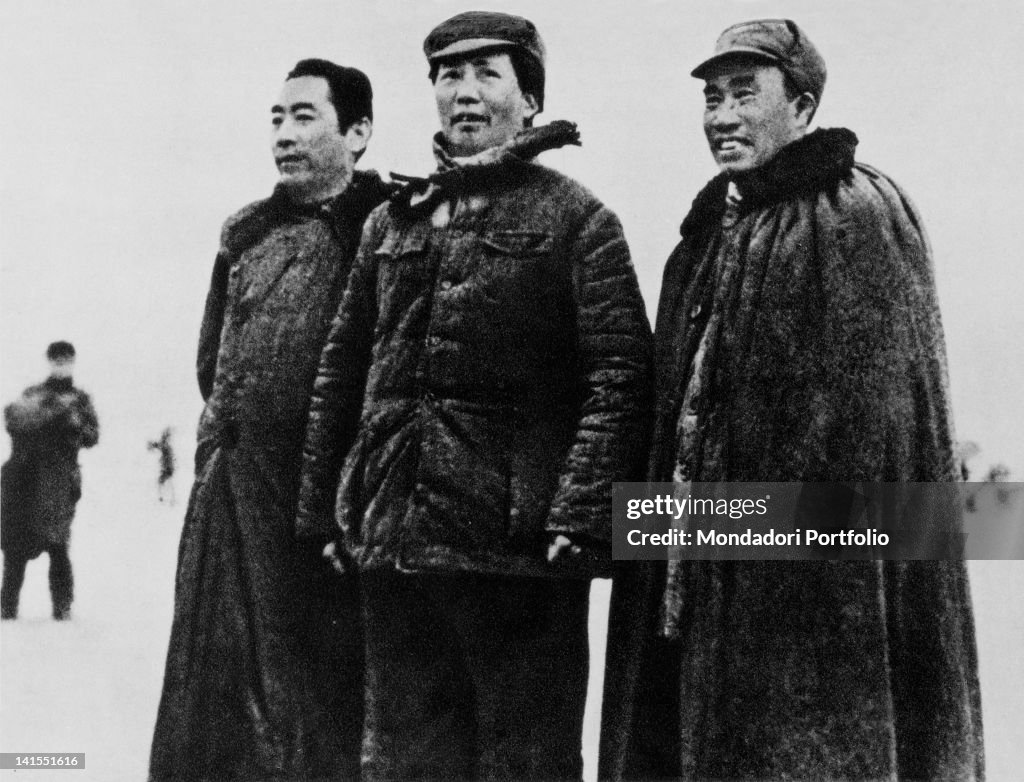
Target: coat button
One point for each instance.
(433, 341)
(446, 285)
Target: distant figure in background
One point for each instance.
(165, 480)
(264, 676)
(41, 482)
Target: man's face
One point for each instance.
(314, 158)
(480, 103)
(62, 367)
(747, 116)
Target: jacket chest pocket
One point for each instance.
(404, 267)
(513, 266)
(517, 244)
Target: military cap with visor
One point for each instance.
(777, 41)
(474, 31)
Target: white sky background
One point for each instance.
(134, 129)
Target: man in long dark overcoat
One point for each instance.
(494, 320)
(798, 338)
(264, 672)
(42, 482)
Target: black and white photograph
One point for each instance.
(329, 327)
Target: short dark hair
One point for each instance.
(350, 90)
(529, 72)
(60, 350)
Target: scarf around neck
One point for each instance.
(454, 174)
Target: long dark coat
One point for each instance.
(263, 677)
(42, 481)
(505, 353)
(825, 362)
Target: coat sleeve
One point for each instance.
(213, 321)
(89, 425)
(338, 394)
(614, 381)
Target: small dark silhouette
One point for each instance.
(42, 482)
(999, 474)
(165, 480)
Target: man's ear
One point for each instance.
(805, 107)
(532, 106)
(358, 135)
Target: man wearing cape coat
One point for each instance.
(264, 666)
(798, 338)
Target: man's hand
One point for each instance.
(562, 548)
(334, 558)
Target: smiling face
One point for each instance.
(480, 103)
(748, 116)
(314, 158)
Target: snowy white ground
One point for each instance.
(92, 684)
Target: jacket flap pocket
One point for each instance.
(518, 243)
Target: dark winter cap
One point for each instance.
(59, 350)
(475, 30)
(780, 42)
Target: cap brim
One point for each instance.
(467, 45)
(736, 52)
